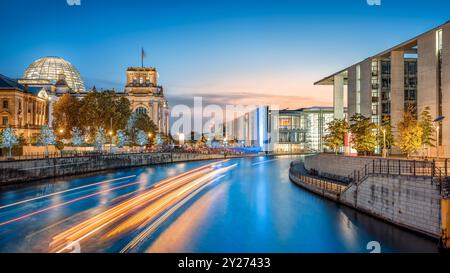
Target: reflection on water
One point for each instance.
(250, 208)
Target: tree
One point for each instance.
(141, 138)
(8, 139)
(122, 139)
(100, 109)
(364, 138)
(46, 137)
(140, 122)
(428, 130)
(336, 134)
(385, 133)
(66, 114)
(77, 137)
(410, 134)
(100, 139)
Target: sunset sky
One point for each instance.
(247, 52)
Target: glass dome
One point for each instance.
(50, 68)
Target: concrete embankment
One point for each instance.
(23, 171)
(403, 193)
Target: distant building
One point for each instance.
(302, 130)
(147, 97)
(281, 131)
(22, 108)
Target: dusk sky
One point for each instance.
(248, 52)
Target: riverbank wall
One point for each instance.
(23, 171)
(407, 194)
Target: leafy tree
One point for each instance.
(46, 137)
(122, 139)
(100, 139)
(8, 139)
(77, 137)
(428, 130)
(66, 114)
(100, 108)
(364, 138)
(336, 134)
(410, 134)
(387, 128)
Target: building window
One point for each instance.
(5, 121)
(141, 110)
(5, 104)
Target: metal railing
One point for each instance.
(436, 170)
(317, 182)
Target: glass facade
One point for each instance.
(51, 68)
(302, 130)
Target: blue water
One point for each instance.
(253, 208)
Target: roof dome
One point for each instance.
(52, 68)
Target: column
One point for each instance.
(445, 85)
(397, 90)
(338, 102)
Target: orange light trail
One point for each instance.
(157, 199)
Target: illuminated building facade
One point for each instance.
(58, 77)
(410, 76)
(22, 108)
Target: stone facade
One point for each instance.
(412, 202)
(22, 108)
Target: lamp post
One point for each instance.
(110, 141)
(384, 143)
(437, 123)
(181, 139)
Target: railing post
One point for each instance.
(433, 168)
(399, 167)
(373, 167)
(446, 166)
(388, 167)
(414, 168)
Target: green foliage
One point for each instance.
(410, 134)
(364, 138)
(336, 134)
(90, 113)
(428, 130)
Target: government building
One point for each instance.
(27, 103)
(412, 75)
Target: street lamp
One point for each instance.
(384, 142)
(110, 141)
(181, 139)
(437, 122)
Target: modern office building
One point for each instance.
(409, 76)
(302, 130)
(281, 131)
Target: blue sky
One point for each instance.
(228, 51)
